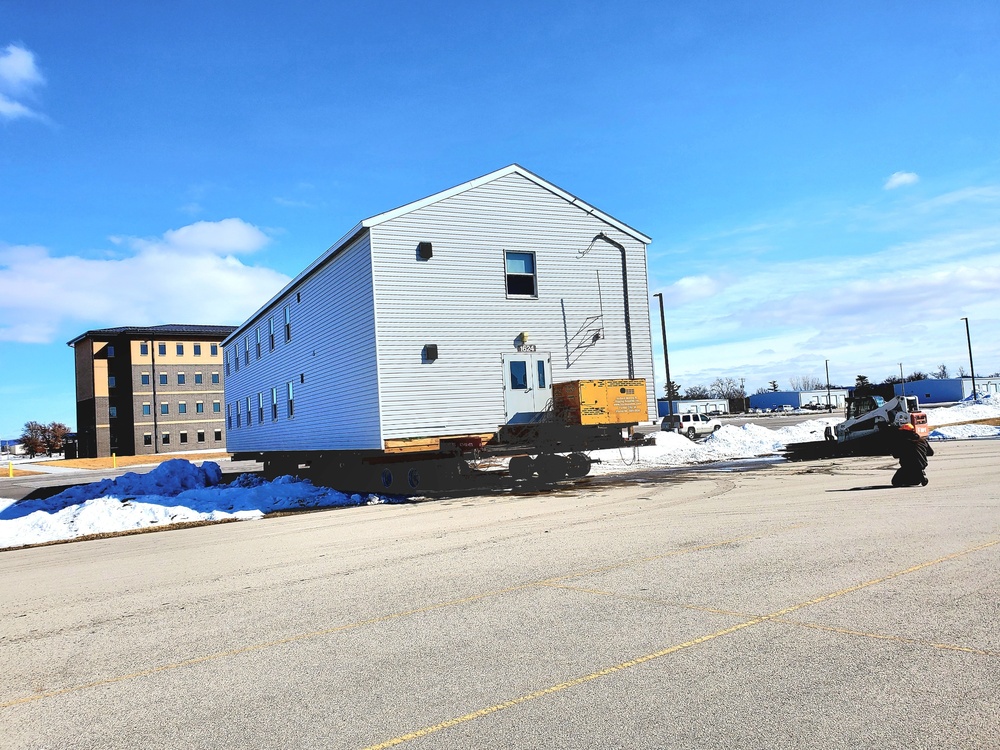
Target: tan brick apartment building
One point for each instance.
(144, 390)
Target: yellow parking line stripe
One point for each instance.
(417, 734)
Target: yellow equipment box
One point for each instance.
(600, 401)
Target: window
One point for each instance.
(215, 378)
(144, 352)
(217, 435)
(229, 416)
(201, 436)
(164, 408)
(291, 401)
(163, 378)
(147, 409)
(183, 437)
(111, 381)
(288, 324)
(180, 350)
(215, 350)
(541, 374)
(260, 408)
(111, 351)
(227, 364)
(145, 378)
(182, 408)
(238, 415)
(199, 407)
(165, 438)
(518, 375)
(520, 274)
(236, 358)
(216, 407)
(113, 411)
(258, 341)
(147, 438)
(197, 350)
(249, 412)
(161, 349)
(274, 404)
(197, 378)
(270, 332)
(181, 378)
(246, 350)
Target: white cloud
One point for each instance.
(190, 275)
(19, 76)
(899, 179)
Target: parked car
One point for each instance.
(692, 425)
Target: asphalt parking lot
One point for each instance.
(793, 606)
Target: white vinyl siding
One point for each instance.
(458, 300)
(333, 345)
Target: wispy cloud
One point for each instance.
(19, 77)
(900, 179)
(190, 274)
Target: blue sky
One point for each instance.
(819, 183)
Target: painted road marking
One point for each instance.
(417, 734)
(373, 621)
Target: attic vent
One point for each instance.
(425, 251)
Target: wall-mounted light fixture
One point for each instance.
(425, 251)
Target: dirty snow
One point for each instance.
(178, 491)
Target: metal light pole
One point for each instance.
(666, 359)
(902, 381)
(972, 367)
(829, 406)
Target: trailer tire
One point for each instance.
(551, 468)
(521, 467)
(413, 478)
(387, 478)
(579, 465)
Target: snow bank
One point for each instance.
(964, 431)
(175, 492)
(988, 407)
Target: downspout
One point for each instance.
(628, 321)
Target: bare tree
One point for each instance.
(697, 391)
(33, 438)
(806, 383)
(725, 388)
(941, 373)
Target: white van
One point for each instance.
(691, 425)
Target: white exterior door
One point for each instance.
(527, 385)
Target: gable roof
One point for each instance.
(372, 221)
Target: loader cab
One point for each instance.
(861, 405)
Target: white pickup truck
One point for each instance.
(692, 425)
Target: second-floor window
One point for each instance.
(520, 274)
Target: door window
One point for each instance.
(519, 375)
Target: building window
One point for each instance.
(111, 351)
(249, 412)
(218, 436)
(161, 349)
(270, 332)
(164, 408)
(201, 436)
(197, 378)
(227, 364)
(165, 438)
(146, 410)
(215, 350)
(147, 438)
(180, 350)
(288, 324)
(111, 381)
(145, 378)
(520, 274)
(113, 412)
(236, 358)
(144, 350)
(260, 408)
(163, 378)
(258, 341)
(183, 437)
(291, 401)
(229, 416)
(238, 415)
(274, 404)
(197, 350)
(215, 378)
(181, 378)
(199, 407)
(246, 350)
(182, 408)
(216, 407)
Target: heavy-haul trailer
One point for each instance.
(426, 342)
(586, 416)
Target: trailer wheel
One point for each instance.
(387, 478)
(551, 468)
(579, 465)
(521, 467)
(413, 478)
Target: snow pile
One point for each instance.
(964, 431)
(175, 492)
(988, 407)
